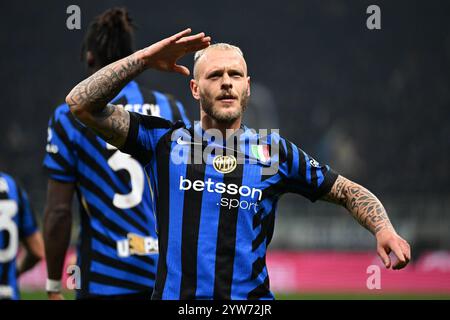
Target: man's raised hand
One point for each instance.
(163, 55)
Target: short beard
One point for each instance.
(208, 107)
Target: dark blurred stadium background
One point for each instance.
(375, 105)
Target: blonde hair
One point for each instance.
(222, 46)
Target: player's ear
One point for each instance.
(194, 89)
(90, 60)
(248, 86)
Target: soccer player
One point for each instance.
(117, 247)
(17, 224)
(216, 217)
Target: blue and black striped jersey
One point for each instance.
(215, 214)
(117, 248)
(16, 223)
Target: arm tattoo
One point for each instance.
(361, 203)
(89, 99)
(112, 124)
(96, 91)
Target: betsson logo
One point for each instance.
(222, 188)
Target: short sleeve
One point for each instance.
(27, 222)
(303, 174)
(60, 160)
(143, 136)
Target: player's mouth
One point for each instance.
(227, 98)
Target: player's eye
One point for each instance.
(214, 76)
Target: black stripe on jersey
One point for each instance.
(113, 245)
(148, 97)
(257, 219)
(85, 249)
(289, 156)
(226, 241)
(176, 115)
(191, 224)
(101, 216)
(117, 264)
(274, 190)
(258, 266)
(301, 164)
(5, 271)
(260, 291)
(110, 281)
(162, 213)
(62, 163)
(59, 129)
(314, 181)
(265, 228)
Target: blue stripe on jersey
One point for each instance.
(320, 177)
(100, 289)
(12, 189)
(108, 214)
(119, 274)
(207, 241)
(184, 117)
(112, 253)
(173, 257)
(164, 105)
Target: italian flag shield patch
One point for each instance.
(261, 152)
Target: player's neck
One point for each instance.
(210, 123)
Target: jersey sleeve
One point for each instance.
(303, 174)
(143, 136)
(60, 160)
(27, 222)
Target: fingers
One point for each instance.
(181, 69)
(403, 254)
(180, 35)
(193, 38)
(384, 257)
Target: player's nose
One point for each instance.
(226, 82)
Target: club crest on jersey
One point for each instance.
(224, 164)
(261, 152)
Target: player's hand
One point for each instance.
(164, 54)
(389, 241)
(55, 296)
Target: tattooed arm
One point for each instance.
(370, 213)
(88, 101)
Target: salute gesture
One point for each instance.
(164, 54)
(88, 101)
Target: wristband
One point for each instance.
(53, 285)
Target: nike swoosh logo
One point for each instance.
(182, 142)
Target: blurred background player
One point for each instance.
(17, 223)
(117, 243)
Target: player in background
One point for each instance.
(117, 247)
(216, 218)
(17, 224)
